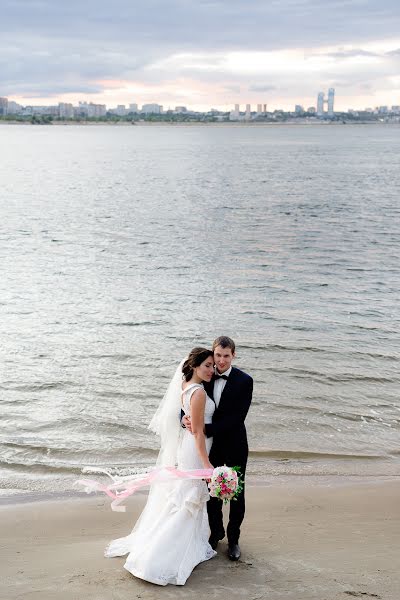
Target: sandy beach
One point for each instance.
(300, 541)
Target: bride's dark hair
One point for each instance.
(195, 358)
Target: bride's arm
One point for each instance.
(197, 404)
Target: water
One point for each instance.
(123, 247)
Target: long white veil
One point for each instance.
(166, 423)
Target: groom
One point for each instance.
(231, 389)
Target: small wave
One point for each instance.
(43, 468)
(299, 454)
(119, 357)
(38, 387)
(363, 378)
(133, 323)
(318, 350)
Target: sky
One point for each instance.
(201, 53)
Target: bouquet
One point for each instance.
(226, 483)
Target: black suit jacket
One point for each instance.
(227, 428)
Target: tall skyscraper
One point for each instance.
(235, 113)
(320, 104)
(3, 106)
(331, 100)
(248, 112)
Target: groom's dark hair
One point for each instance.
(225, 342)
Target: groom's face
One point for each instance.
(223, 358)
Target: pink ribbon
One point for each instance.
(129, 487)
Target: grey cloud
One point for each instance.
(351, 53)
(48, 44)
(194, 24)
(40, 90)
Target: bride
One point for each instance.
(171, 535)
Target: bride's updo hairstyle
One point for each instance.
(195, 358)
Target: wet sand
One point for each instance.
(300, 541)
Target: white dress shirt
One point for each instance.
(219, 385)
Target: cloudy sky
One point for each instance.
(200, 53)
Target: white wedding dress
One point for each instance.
(171, 535)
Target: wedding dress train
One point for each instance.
(171, 535)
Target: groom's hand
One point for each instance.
(187, 423)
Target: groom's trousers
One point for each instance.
(236, 515)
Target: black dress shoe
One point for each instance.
(234, 552)
(215, 538)
(213, 542)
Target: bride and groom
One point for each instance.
(181, 525)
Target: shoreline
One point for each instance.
(24, 497)
(197, 123)
(313, 542)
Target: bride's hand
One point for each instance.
(187, 423)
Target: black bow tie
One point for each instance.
(221, 376)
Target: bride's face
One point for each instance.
(206, 369)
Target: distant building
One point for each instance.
(311, 110)
(259, 109)
(149, 109)
(394, 109)
(40, 111)
(247, 115)
(82, 110)
(331, 101)
(14, 108)
(265, 109)
(298, 109)
(120, 110)
(320, 104)
(3, 106)
(179, 110)
(133, 108)
(94, 111)
(383, 110)
(321, 101)
(91, 111)
(234, 115)
(65, 111)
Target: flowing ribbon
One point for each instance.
(123, 488)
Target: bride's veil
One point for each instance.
(166, 423)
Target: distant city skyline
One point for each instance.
(201, 53)
(341, 102)
(324, 108)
